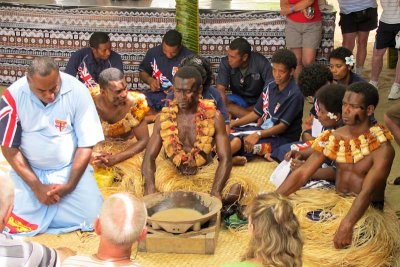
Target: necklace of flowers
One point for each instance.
(354, 150)
(205, 129)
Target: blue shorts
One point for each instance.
(155, 100)
(238, 100)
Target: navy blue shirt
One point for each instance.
(157, 65)
(211, 93)
(282, 106)
(259, 73)
(83, 64)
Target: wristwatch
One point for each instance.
(258, 133)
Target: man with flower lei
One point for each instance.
(363, 155)
(187, 130)
(121, 114)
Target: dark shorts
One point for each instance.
(360, 21)
(393, 112)
(156, 100)
(386, 35)
(274, 142)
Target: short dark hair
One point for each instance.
(340, 53)
(42, 66)
(172, 38)
(190, 72)
(331, 96)
(242, 45)
(98, 38)
(202, 65)
(285, 57)
(370, 93)
(109, 75)
(313, 77)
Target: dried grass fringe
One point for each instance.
(376, 236)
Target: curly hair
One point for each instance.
(202, 65)
(275, 239)
(331, 96)
(313, 77)
(285, 57)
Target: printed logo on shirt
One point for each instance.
(60, 125)
(16, 225)
(164, 82)
(278, 105)
(174, 70)
(255, 76)
(85, 76)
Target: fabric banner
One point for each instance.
(30, 31)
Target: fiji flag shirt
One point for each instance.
(49, 135)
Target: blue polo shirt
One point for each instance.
(282, 106)
(157, 65)
(259, 72)
(211, 93)
(82, 63)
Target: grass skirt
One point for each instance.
(122, 177)
(169, 179)
(376, 236)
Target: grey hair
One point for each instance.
(110, 75)
(6, 194)
(122, 218)
(42, 66)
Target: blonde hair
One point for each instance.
(6, 194)
(122, 218)
(275, 239)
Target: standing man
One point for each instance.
(244, 73)
(159, 67)
(357, 19)
(48, 127)
(88, 62)
(362, 167)
(388, 35)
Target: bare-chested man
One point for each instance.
(121, 114)
(188, 129)
(363, 156)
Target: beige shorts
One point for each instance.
(306, 35)
(394, 113)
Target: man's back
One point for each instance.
(21, 253)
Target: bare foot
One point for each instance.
(239, 161)
(267, 157)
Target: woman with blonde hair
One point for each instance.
(275, 233)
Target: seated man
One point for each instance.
(280, 108)
(363, 156)
(209, 91)
(311, 79)
(121, 114)
(22, 253)
(121, 223)
(188, 129)
(244, 73)
(47, 134)
(159, 66)
(88, 62)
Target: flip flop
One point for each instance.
(396, 181)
